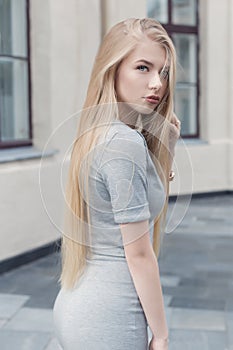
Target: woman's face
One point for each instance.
(142, 77)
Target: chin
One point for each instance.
(143, 109)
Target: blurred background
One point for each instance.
(47, 49)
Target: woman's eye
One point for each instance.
(143, 68)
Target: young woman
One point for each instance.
(117, 194)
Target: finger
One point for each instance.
(175, 120)
(178, 123)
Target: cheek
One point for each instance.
(124, 84)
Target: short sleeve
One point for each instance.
(123, 170)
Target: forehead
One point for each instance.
(149, 50)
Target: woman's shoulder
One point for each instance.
(122, 133)
(119, 144)
(122, 144)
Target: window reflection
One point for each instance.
(184, 12)
(13, 28)
(14, 99)
(186, 107)
(158, 9)
(186, 89)
(186, 47)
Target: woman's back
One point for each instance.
(124, 186)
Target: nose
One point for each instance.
(155, 82)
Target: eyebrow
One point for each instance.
(145, 61)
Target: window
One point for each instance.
(180, 19)
(15, 127)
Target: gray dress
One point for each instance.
(103, 311)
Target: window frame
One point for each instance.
(28, 142)
(187, 29)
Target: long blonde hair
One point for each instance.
(99, 110)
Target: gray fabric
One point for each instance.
(103, 311)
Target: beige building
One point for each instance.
(56, 42)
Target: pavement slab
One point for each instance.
(198, 319)
(10, 304)
(31, 319)
(53, 345)
(196, 340)
(18, 340)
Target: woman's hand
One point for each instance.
(175, 130)
(174, 133)
(159, 345)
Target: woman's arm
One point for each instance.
(144, 269)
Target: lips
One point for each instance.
(154, 99)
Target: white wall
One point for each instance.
(24, 222)
(115, 11)
(76, 31)
(40, 42)
(230, 94)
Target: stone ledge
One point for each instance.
(29, 256)
(24, 153)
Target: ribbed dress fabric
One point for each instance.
(103, 311)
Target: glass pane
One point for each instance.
(13, 27)
(184, 12)
(13, 100)
(186, 48)
(186, 108)
(158, 9)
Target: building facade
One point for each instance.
(47, 49)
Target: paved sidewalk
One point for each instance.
(196, 266)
